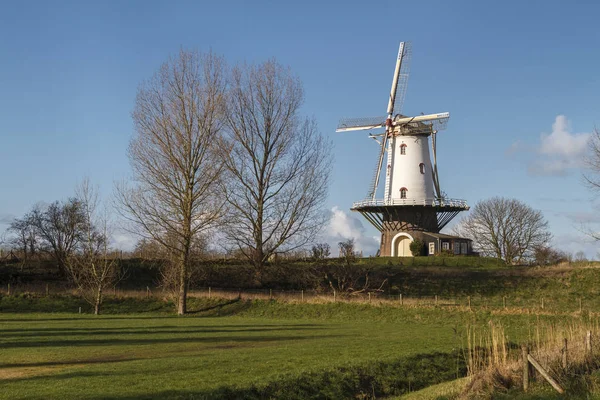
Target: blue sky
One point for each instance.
(506, 71)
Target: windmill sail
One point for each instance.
(402, 84)
(356, 124)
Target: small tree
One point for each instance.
(347, 277)
(546, 255)
(347, 253)
(89, 266)
(24, 237)
(59, 228)
(506, 228)
(416, 247)
(580, 257)
(320, 251)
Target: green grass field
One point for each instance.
(141, 356)
(255, 350)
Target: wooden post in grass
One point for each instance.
(8, 290)
(469, 301)
(436, 299)
(504, 302)
(334, 296)
(542, 303)
(79, 310)
(565, 360)
(369, 297)
(302, 294)
(525, 352)
(401, 300)
(580, 309)
(47, 291)
(209, 292)
(545, 374)
(588, 345)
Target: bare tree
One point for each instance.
(89, 266)
(347, 253)
(278, 165)
(546, 255)
(59, 228)
(592, 176)
(178, 118)
(505, 228)
(24, 236)
(320, 251)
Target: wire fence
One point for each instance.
(468, 302)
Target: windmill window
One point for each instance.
(403, 193)
(422, 168)
(403, 149)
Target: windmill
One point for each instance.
(413, 205)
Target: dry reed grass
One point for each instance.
(494, 364)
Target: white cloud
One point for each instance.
(561, 142)
(557, 152)
(343, 226)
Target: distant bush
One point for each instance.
(416, 247)
(546, 255)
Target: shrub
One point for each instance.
(417, 247)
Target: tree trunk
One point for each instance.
(182, 301)
(98, 301)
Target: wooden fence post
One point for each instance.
(209, 294)
(545, 374)
(542, 303)
(580, 309)
(401, 300)
(334, 296)
(302, 295)
(504, 302)
(147, 292)
(47, 291)
(436, 300)
(588, 345)
(369, 297)
(565, 359)
(469, 301)
(525, 352)
(9, 289)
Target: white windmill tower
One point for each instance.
(413, 206)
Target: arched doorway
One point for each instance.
(401, 245)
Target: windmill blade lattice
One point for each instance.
(364, 123)
(403, 78)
